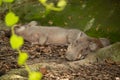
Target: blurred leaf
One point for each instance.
(61, 3)
(16, 41)
(8, 1)
(0, 2)
(35, 76)
(43, 1)
(50, 6)
(11, 19)
(22, 58)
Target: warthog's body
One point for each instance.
(48, 35)
(78, 42)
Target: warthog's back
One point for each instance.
(55, 35)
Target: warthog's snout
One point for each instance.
(72, 56)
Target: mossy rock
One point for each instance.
(111, 52)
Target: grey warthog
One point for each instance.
(78, 42)
(80, 48)
(47, 35)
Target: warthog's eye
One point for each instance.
(77, 41)
(86, 48)
(81, 50)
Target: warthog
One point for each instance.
(80, 48)
(78, 42)
(47, 35)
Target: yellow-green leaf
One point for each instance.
(61, 3)
(16, 41)
(8, 1)
(11, 19)
(22, 58)
(35, 76)
(0, 2)
(43, 1)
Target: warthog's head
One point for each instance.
(77, 50)
(83, 46)
(28, 31)
(22, 28)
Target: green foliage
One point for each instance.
(22, 58)
(11, 19)
(16, 41)
(35, 76)
(43, 1)
(8, 1)
(61, 3)
(0, 2)
(50, 6)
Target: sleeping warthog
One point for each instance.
(48, 35)
(80, 48)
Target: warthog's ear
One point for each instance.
(104, 41)
(32, 23)
(81, 37)
(77, 40)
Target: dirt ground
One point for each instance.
(51, 53)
